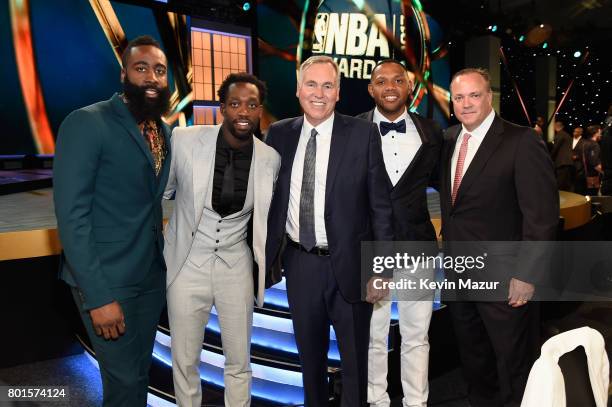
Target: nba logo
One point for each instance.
(320, 32)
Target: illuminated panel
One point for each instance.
(269, 383)
(215, 55)
(206, 115)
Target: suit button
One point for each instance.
(217, 241)
(216, 249)
(192, 234)
(218, 230)
(220, 221)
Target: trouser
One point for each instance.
(124, 363)
(414, 318)
(190, 299)
(497, 346)
(315, 301)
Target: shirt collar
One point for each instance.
(378, 117)
(223, 144)
(481, 131)
(324, 129)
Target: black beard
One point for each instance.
(142, 107)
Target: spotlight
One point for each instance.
(545, 45)
(246, 6)
(494, 28)
(521, 38)
(577, 54)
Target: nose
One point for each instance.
(150, 76)
(318, 92)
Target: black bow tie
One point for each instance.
(386, 127)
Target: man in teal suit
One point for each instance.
(110, 170)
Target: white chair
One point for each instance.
(546, 386)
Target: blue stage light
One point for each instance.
(246, 6)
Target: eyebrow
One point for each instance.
(146, 63)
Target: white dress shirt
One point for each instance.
(324, 136)
(478, 134)
(575, 141)
(398, 149)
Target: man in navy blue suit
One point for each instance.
(331, 194)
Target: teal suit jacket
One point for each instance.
(107, 202)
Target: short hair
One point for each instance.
(592, 130)
(139, 41)
(241, 77)
(480, 71)
(318, 59)
(388, 61)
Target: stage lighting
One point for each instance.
(577, 54)
(521, 38)
(246, 6)
(494, 28)
(545, 45)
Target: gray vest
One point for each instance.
(222, 237)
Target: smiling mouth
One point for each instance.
(242, 124)
(150, 92)
(390, 98)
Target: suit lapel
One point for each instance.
(424, 145)
(487, 147)
(128, 122)
(163, 176)
(338, 146)
(293, 140)
(203, 163)
(448, 161)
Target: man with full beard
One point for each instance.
(111, 166)
(222, 177)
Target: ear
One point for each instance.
(371, 90)
(297, 90)
(122, 75)
(222, 109)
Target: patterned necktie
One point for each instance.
(459, 168)
(386, 127)
(156, 143)
(226, 199)
(307, 230)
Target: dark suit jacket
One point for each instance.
(107, 201)
(411, 220)
(357, 204)
(508, 192)
(577, 158)
(561, 152)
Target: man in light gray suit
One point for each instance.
(222, 177)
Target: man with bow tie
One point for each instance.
(411, 148)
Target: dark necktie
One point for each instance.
(307, 230)
(227, 190)
(386, 127)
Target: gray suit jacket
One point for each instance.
(192, 168)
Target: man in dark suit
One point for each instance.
(110, 170)
(331, 194)
(411, 148)
(498, 185)
(561, 155)
(579, 180)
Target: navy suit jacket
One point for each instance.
(357, 200)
